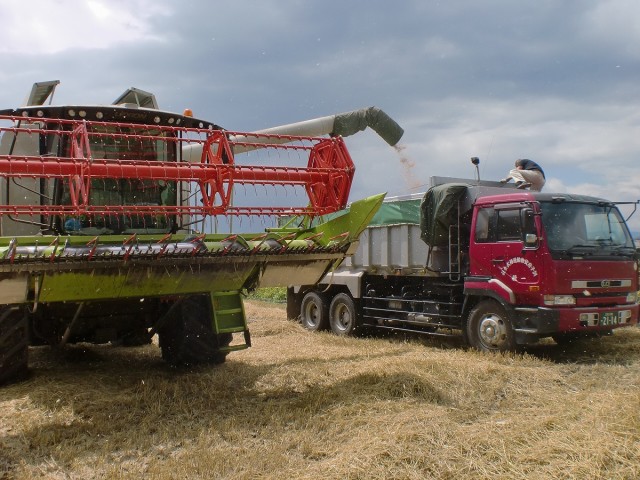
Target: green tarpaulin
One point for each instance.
(400, 211)
(439, 210)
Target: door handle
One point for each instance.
(497, 260)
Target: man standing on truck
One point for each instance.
(526, 173)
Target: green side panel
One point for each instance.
(352, 220)
(142, 282)
(72, 269)
(349, 224)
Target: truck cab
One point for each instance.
(561, 265)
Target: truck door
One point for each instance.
(505, 248)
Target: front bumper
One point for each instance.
(537, 322)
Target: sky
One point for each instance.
(556, 81)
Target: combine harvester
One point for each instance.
(104, 213)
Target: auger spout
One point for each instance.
(342, 124)
(349, 123)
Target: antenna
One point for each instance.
(476, 162)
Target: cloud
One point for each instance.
(614, 25)
(53, 27)
(553, 81)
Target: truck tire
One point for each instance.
(14, 345)
(489, 329)
(314, 314)
(342, 315)
(188, 338)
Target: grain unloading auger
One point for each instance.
(104, 212)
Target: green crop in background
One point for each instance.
(270, 294)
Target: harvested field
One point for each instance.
(309, 406)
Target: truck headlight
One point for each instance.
(632, 297)
(552, 300)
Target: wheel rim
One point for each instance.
(492, 331)
(312, 314)
(342, 317)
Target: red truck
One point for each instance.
(499, 266)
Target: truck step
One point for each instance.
(411, 330)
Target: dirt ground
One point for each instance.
(304, 405)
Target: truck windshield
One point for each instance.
(586, 229)
(113, 142)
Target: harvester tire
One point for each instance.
(188, 338)
(314, 312)
(14, 345)
(136, 338)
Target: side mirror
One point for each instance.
(529, 228)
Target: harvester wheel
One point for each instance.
(489, 328)
(188, 338)
(136, 338)
(342, 315)
(14, 344)
(314, 312)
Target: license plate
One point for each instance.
(609, 318)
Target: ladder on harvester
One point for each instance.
(229, 317)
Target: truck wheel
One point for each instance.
(342, 315)
(189, 339)
(489, 328)
(14, 345)
(314, 314)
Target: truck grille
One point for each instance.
(579, 284)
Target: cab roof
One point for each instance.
(128, 113)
